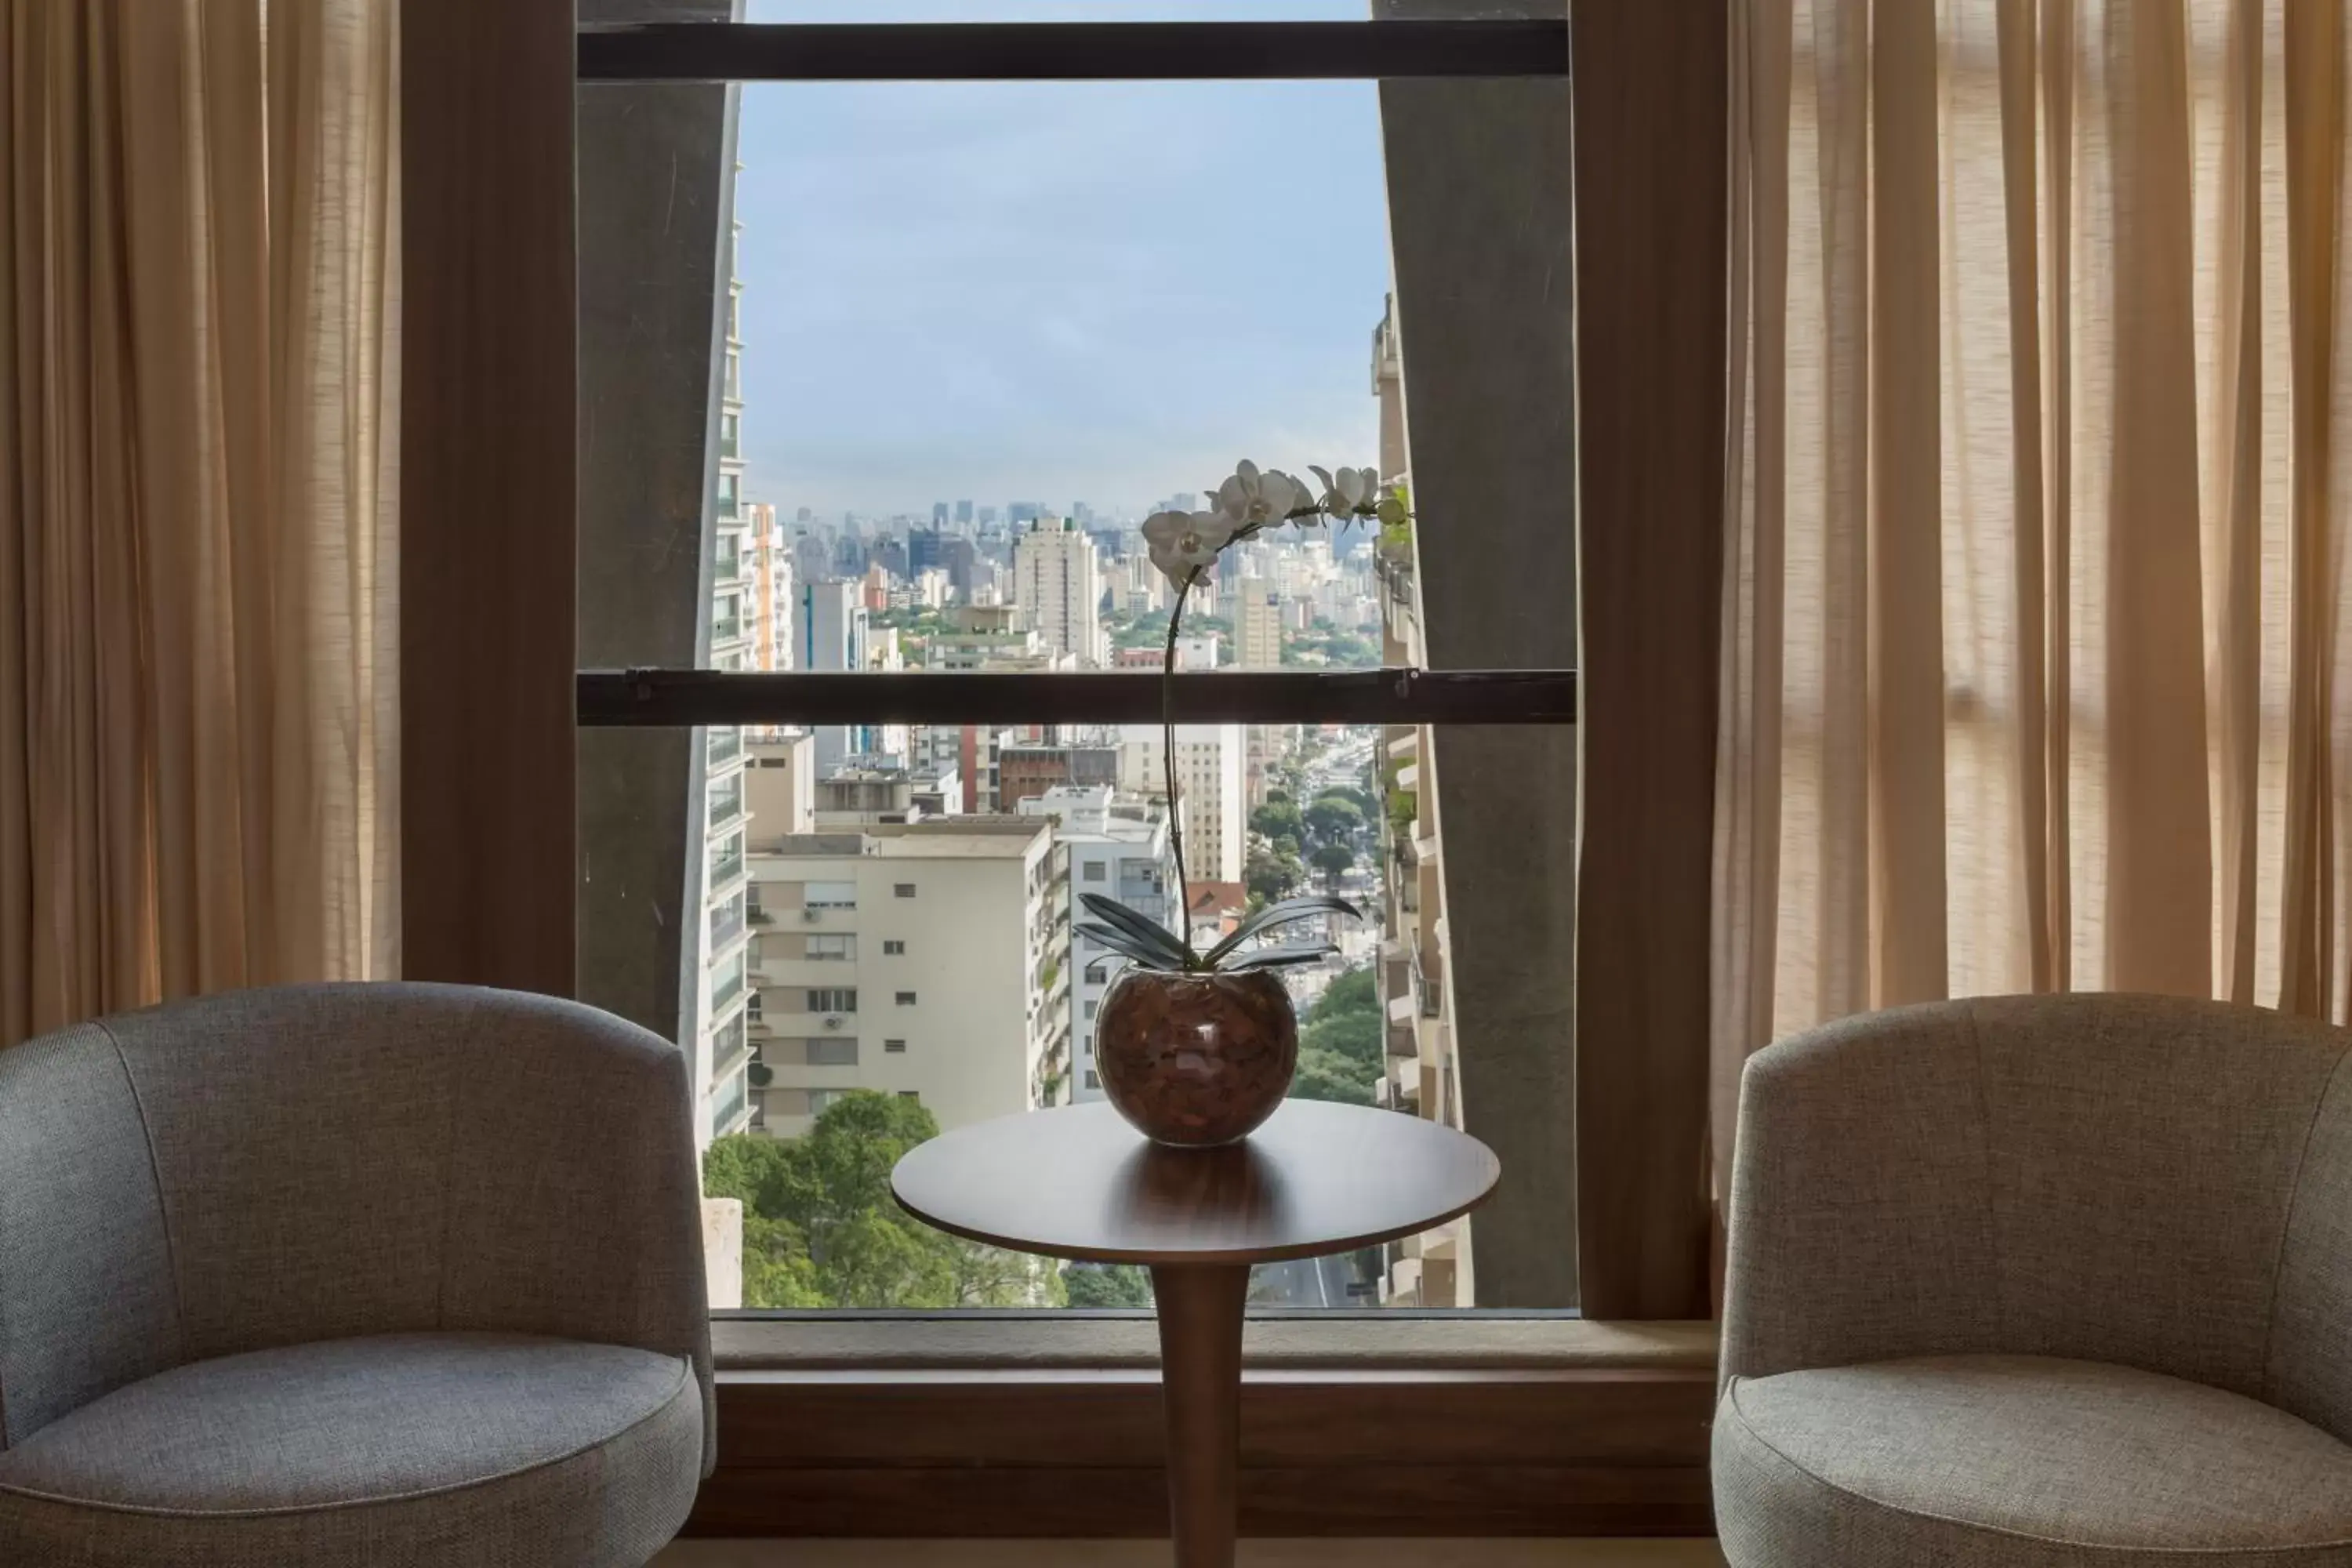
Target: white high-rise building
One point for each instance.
(1211, 759)
(712, 1026)
(929, 960)
(831, 632)
(1258, 626)
(1117, 845)
(1057, 579)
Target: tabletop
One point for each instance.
(1080, 1183)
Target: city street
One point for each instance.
(1308, 1282)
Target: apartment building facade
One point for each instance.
(1212, 763)
(1057, 577)
(717, 987)
(1116, 845)
(929, 960)
(1423, 1067)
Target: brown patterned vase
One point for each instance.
(1196, 1060)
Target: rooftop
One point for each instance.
(940, 838)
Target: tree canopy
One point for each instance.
(820, 1229)
(1340, 1054)
(1103, 1285)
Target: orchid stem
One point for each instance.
(1168, 761)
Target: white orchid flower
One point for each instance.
(1252, 499)
(1186, 543)
(1351, 492)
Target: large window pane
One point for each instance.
(964, 339)
(988, 329)
(937, 918)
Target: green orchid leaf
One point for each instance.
(1149, 932)
(1276, 957)
(1127, 947)
(1283, 913)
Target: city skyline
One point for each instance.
(1109, 292)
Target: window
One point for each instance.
(832, 999)
(909, 1094)
(729, 918)
(831, 946)
(820, 1100)
(1318, 605)
(1094, 1081)
(832, 1053)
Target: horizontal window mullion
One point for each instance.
(615, 698)
(1070, 51)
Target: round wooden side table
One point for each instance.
(1079, 1183)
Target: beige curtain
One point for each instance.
(199, 329)
(2035, 643)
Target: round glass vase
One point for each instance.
(1196, 1061)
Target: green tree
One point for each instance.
(1323, 1075)
(1278, 819)
(1350, 992)
(1334, 859)
(1341, 1052)
(820, 1229)
(1100, 1285)
(1271, 876)
(1335, 816)
(1351, 1037)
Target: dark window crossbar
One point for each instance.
(1070, 51)
(622, 699)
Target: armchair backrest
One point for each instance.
(2154, 1181)
(307, 1162)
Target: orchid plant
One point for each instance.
(1184, 546)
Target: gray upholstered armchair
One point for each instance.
(2041, 1281)
(349, 1275)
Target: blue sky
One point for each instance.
(1098, 292)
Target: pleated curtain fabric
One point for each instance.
(199, 368)
(2035, 642)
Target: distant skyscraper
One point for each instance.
(963, 514)
(1211, 759)
(1258, 626)
(1058, 580)
(926, 548)
(939, 514)
(831, 629)
(1026, 511)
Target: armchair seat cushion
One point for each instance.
(2024, 1462)
(441, 1448)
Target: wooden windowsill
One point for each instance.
(1367, 1341)
(957, 1426)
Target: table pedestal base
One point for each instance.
(1200, 1308)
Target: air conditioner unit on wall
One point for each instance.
(833, 1022)
(812, 916)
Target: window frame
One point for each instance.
(478, 692)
